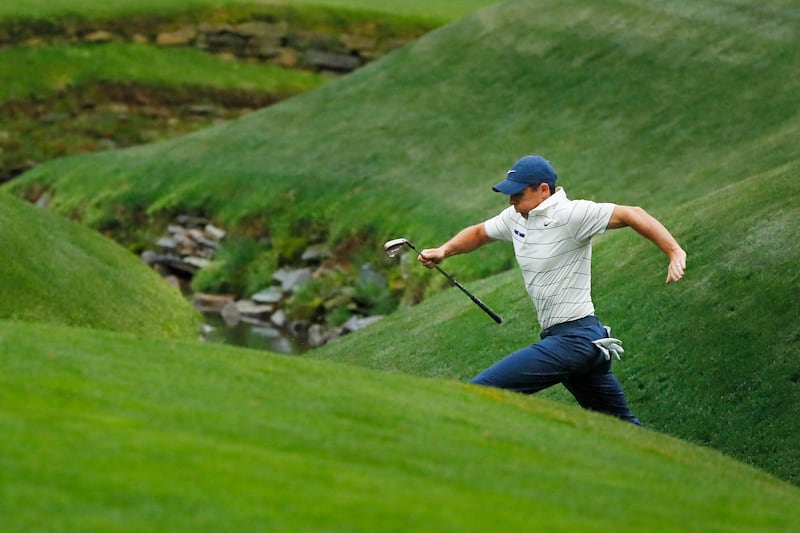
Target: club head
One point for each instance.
(394, 247)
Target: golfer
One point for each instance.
(552, 241)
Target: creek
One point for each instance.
(255, 336)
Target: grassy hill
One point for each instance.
(437, 10)
(56, 271)
(688, 109)
(105, 431)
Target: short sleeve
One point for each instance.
(589, 219)
(500, 227)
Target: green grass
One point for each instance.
(41, 71)
(688, 109)
(441, 10)
(110, 432)
(56, 271)
(714, 359)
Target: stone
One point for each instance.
(197, 262)
(270, 295)
(278, 318)
(317, 336)
(43, 201)
(355, 323)
(212, 302)
(149, 257)
(287, 58)
(291, 279)
(230, 314)
(315, 253)
(324, 60)
(368, 275)
(359, 42)
(167, 243)
(251, 308)
(100, 36)
(182, 37)
(213, 232)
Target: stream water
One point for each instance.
(256, 336)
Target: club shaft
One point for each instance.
(497, 318)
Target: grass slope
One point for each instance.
(715, 359)
(439, 10)
(687, 108)
(56, 271)
(42, 71)
(109, 432)
(629, 98)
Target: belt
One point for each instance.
(559, 328)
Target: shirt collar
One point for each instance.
(557, 197)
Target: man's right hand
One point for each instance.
(431, 257)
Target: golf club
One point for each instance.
(392, 249)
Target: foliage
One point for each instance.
(239, 264)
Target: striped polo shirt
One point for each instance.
(553, 247)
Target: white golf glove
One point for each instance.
(609, 346)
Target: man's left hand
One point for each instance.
(609, 346)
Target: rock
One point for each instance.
(270, 295)
(251, 308)
(287, 58)
(191, 221)
(214, 233)
(324, 60)
(174, 281)
(99, 36)
(167, 243)
(291, 279)
(149, 257)
(278, 318)
(230, 314)
(317, 336)
(315, 253)
(358, 43)
(355, 323)
(43, 201)
(182, 37)
(368, 275)
(198, 262)
(263, 30)
(213, 302)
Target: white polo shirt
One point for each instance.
(554, 251)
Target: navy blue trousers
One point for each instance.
(564, 355)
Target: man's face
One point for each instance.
(529, 198)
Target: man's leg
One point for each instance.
(600, 391)
(530, 369)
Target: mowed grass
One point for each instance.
(56, 271)
(441, 10)
(105, 431)
(714, 359)
(632, 102)
(42, 71)
(688, 109)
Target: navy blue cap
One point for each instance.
(530, 170)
